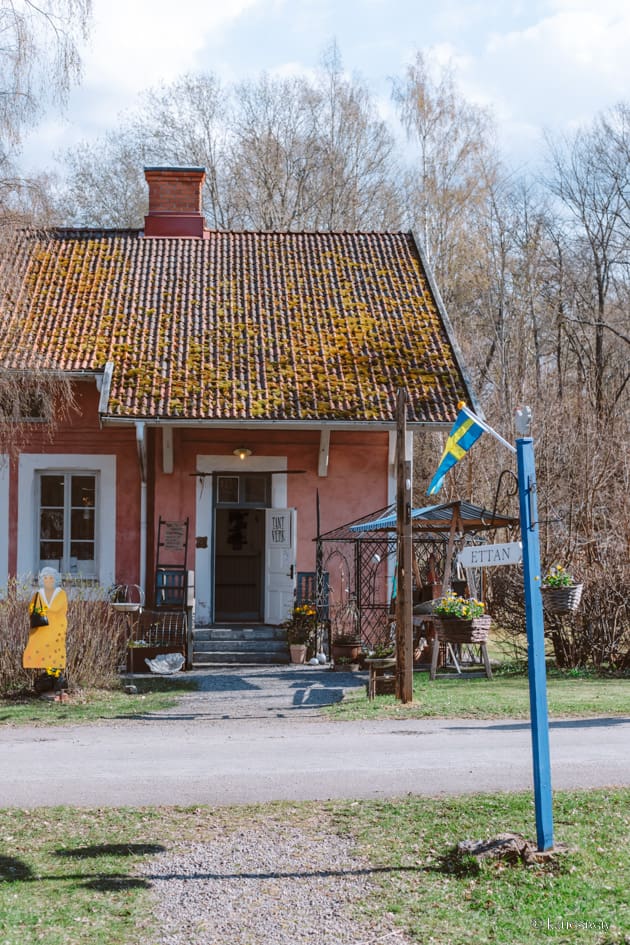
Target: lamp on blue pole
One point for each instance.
(528, 505)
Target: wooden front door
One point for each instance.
(239, 560)
(239, 546)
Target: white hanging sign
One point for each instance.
(491, 556)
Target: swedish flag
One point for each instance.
(466, 431)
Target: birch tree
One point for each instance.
(290, 153)
(39, 63)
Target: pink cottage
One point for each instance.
(224, 379)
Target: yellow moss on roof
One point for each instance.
(244, 325)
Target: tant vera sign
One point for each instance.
(491, 556)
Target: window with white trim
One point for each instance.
(67, 521)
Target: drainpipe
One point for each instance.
(141, 443)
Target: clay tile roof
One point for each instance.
(239, 326)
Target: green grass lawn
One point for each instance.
(475, 697)
(442, 899)
(91, 705)
(71, 877)
(504, 696)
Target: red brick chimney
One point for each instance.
(174, 201)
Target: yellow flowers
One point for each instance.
(557, 576)
(304, 610)
(301, 625)
(461, 607)
(40, 609)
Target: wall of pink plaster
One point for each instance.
(356, 483)
(84, 435)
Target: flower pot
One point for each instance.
(561, 600)
(298, 652)
(458, 630)
(346, 667)
(347, 651)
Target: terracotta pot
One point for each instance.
(298, 652)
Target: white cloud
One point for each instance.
(566, 60)
(136, 44)
(537, 63)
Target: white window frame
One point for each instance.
(67, 517)
(31, 466)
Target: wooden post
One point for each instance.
(404, 595)
(456, 523)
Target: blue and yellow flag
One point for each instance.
(466, 431)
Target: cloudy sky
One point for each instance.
(537, 63)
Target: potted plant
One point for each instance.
(560, 593)
(346, 646)
(461, 619)
(382, 651)
(381, 662)
(345, 664)
(300, 629)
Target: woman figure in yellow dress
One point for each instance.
(46, 647)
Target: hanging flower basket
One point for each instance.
(459, 630)
(562, 600)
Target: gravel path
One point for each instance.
(262, 692)
(266, 884)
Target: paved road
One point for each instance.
(255, 735)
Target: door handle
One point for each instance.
(291, 572)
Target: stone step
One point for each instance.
(229, 634)
(240, 646)
(244, 659)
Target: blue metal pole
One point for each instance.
(535, 640)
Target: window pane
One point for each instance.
(82, 551)
(83, 492)
(52, 491)
(255, 489)
(51, 524)
(82, 524)
(227, 489)
(50, 551)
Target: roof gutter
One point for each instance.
(246, 424)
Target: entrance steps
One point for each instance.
(239, 644)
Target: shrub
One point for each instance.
(597, 635)
(95, 640)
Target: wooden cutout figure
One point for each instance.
(46, 647)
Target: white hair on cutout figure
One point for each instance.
(50, 572)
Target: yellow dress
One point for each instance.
(46, 647)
